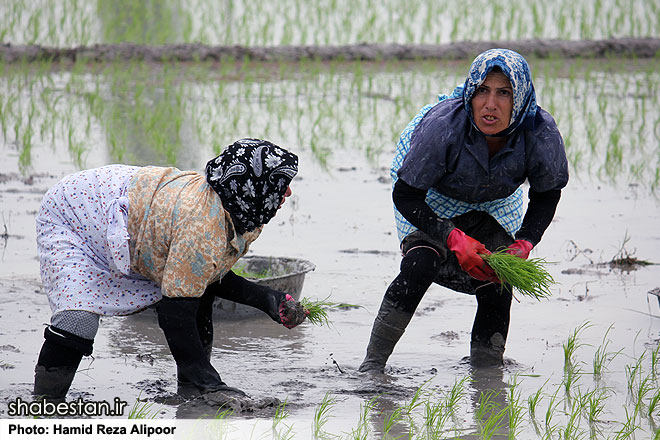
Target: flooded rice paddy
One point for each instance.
(70, 23)
(583, 363)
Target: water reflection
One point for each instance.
(142, 111)
(180, 115)
(144, 117)
(431, 413)
(488, 394)
(144, 22)
(258, 334)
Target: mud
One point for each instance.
(620, 47)
(299, 366)
(192, 405)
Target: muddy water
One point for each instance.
(342, 222)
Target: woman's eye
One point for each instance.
(505, 92)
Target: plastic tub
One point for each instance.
(281, 273)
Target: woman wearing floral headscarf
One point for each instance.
(457, 175)
(117, 239)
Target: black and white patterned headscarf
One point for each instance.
(251, 177)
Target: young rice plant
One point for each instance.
(528, 276)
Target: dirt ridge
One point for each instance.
(618, 47)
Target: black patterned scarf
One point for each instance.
(251, 177)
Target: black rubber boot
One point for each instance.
(204, 322)
(489, 354)
(419, 267)
(53, 383)
(491, 325)
(58, 361)
(388, 328)
(177, 317)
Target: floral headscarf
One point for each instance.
(516, 69)
(251, 177)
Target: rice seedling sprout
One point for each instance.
(527, 276)
(514, 408)
(571, 345)
(602, 357)
(653, 405)
(322, 415)
(318, 309)
(490, 415)
(142, 410)
(533, 401)
(363, 429)
(280, 429)
(551, 427)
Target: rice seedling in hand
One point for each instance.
(528, 276)
(317, 310)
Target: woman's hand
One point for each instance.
(520, 248)
(467, 251)
(291, 312)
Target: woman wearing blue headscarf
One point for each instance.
(457, 173)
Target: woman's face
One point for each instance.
(286, 194)
(492, 104)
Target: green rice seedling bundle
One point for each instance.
(318, 309)
(528, 276)
(243, 272)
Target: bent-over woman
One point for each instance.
(117, 239)
(457, 189)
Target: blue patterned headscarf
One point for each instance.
(516, 69)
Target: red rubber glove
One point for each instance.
(467, 251)
(520, 248)
(291, 312)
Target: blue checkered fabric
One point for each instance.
(507, 211)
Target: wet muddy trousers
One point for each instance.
(419, 268)
(58, 361)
